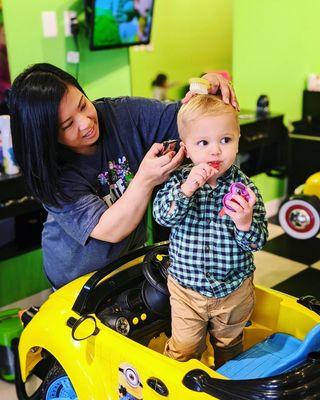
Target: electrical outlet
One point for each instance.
(68, 15)
(73, 57)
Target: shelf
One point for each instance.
(27, 233)
(249, 117)
(304, 137)
(12, 187)
(19, 209)
(4, 177)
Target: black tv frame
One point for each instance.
(89, 11)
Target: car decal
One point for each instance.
(130, 387)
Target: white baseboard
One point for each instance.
(272, 206)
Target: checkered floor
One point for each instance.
(289, 265)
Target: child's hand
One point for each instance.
(198, 176)
(242, 216)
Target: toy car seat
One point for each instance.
(278, 353)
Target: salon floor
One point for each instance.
(289, 265)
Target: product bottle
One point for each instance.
(9, 162)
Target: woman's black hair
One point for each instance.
(34, 110)
(160, 80)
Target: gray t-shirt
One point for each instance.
(128, 128)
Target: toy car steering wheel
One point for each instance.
(155, 268)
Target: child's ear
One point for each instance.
(185, 148)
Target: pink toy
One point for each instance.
(236, 188)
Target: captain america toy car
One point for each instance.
(299, 215)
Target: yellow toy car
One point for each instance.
(102, 337)
(299, 216)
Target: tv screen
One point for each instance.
(117, 23)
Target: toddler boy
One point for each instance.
(211, 271)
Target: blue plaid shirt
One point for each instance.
(208, 253)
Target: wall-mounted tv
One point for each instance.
(118, 23)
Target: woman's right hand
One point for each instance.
(156, 168)
(218, 84)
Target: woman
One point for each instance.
(92, 165)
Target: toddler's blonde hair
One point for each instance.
(202, 105)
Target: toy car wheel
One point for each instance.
(57, 385)
(300, 217)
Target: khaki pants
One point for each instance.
(193, 315)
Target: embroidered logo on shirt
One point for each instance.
(115, 180)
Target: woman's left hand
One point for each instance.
(218, 83)
(243, 210)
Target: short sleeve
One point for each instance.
(79, 218)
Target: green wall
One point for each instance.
(21, 276)
(275, 47)
(188, 37)
(183, 45)
(270, 188)
(274, 50)
(101, 73)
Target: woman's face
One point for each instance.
(78, 122)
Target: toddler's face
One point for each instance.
(213, 140)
